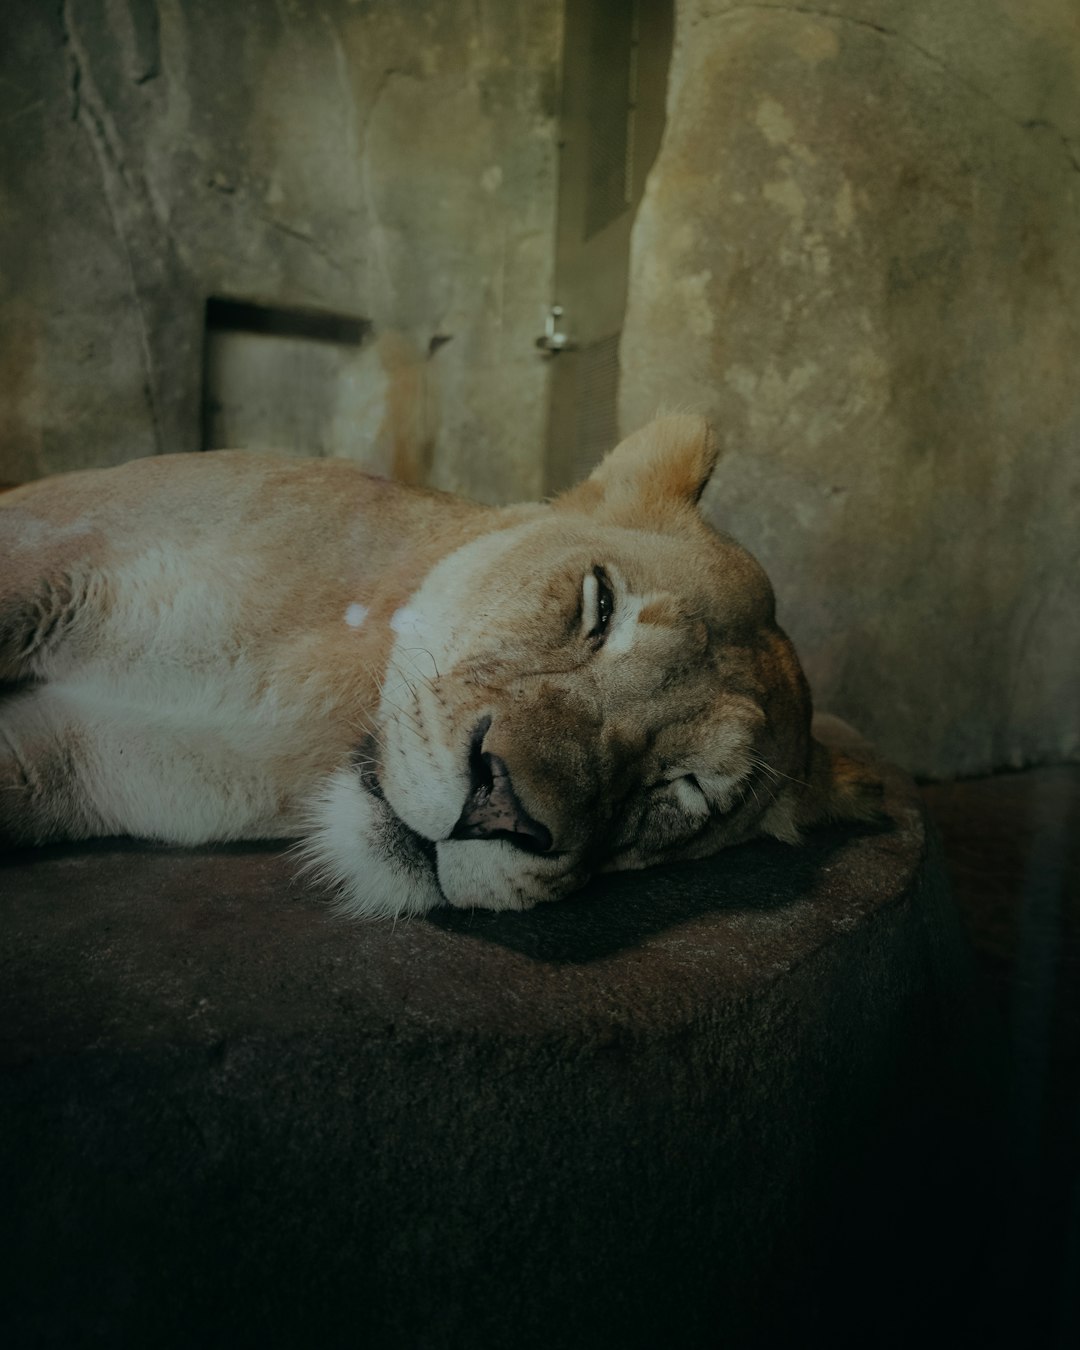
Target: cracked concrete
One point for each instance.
(1068, 144)
(1007, 70)
(117, 189)
(879, 210)
(155, 154)
(952, 71)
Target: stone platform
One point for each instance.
(228, 1118)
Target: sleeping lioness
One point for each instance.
(447, 702)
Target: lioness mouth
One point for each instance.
(399, 839)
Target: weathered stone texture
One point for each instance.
(859, 251)
(392, 161)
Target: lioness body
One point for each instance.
(187, 647)
(232, 645)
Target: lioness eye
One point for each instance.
(598, 605)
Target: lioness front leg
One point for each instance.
(51, 599)
(52, 586)
(40, 617)
(42, 794)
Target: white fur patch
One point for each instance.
(409, 622)
(350, 848)
(624, 623)
(355, 615)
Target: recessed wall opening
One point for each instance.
(285, 378)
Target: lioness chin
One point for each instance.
(447, 702)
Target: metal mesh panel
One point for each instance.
(615, 62)
(597, 402)
(610, 99)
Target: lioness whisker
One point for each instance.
(777, 773)
(411, 719)
(428, 679)
(367, 728)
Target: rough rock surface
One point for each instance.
(229, 1118)
(391, 162)
(859, 251)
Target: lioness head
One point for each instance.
(594, 684)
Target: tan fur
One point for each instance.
(448, 702)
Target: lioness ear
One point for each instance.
(661, 469)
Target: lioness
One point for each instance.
(447, 702)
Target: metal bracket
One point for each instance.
(554, 340)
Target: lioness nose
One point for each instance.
(492, 809)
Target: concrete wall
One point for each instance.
(860, 252)
(392, 160)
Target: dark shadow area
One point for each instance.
(135, 848)
(613, 913)
(622, 910)
(912, 1234)
(1012, 848)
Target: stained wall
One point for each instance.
(859, 252)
